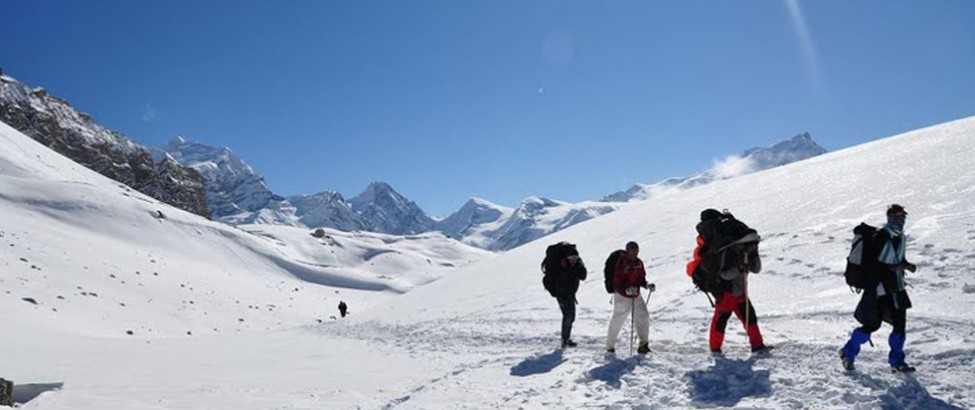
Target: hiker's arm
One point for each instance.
(580, 270)
(754, 262)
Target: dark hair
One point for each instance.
(895, 209)
(632, 245)
(710, 213)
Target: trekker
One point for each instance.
(343, 308)
(729, 249)
(629, 277)
(886, 299)
(563, 269)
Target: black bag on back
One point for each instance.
(861, 271)
(552, 266)
(719, 231)
(610, 269)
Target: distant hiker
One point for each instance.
(343, 308)
(629, 276)
(563, 269)
(727, 251)
(884, 297)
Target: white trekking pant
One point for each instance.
(622, 308)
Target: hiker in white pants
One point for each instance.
(629, 277)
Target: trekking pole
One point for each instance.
(747, 310)
(632, 322)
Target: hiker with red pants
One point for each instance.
(727, 248)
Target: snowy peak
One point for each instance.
(389, 212)
(231, 185)
(472, 220)
(795, 149)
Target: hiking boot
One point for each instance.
(903, 368)
(847, 363)
(762, 349)
(716, 352)
(610, 350)
(643, 349)
(568, 343)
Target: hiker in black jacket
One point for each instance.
(886, 300)
(562, 277)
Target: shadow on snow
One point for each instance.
(727, 382)
(538, 364)
(24, 393)
(613, 370)
(908, 395)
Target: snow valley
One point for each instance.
(122, 301)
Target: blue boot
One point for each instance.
(896, 356)
(852, 347)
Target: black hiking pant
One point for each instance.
(568, 307)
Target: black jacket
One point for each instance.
(872, 308)
(564, 280)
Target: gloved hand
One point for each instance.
(651, 287)
(632, 291)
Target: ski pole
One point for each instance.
(632, 321)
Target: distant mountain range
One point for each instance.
(795, 149)
(216, 183)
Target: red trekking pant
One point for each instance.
(723, 307)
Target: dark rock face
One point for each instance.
(54, 123)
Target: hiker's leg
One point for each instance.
(568, 307)
(858, 337)
(719, 322)
(897, 338)
(751, 328)
(621, 309)
(641, 317)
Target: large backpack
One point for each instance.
(861, 262)
(552, 266)
(721, 233)
(610, 269)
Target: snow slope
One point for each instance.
(486, 335)
(96, 257)
(496, 325)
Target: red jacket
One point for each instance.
(629, 273)
(697, 257)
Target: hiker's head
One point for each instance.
(709, 214)
(632, 249)
(896, 215)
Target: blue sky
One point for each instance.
(498, 99)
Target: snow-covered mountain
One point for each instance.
(54, 123)
(232, 187)
(215, 309)
(476, 222)
(537, 217)
(237, 194)
(389, 212)
(795, 149)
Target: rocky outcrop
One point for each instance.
(54, 123)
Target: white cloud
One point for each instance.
(149, 113)
(733, 166)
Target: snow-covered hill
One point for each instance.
(83, 254)
(486, 336)
(795, 149)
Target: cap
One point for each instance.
(895, 209)
(632, 245)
